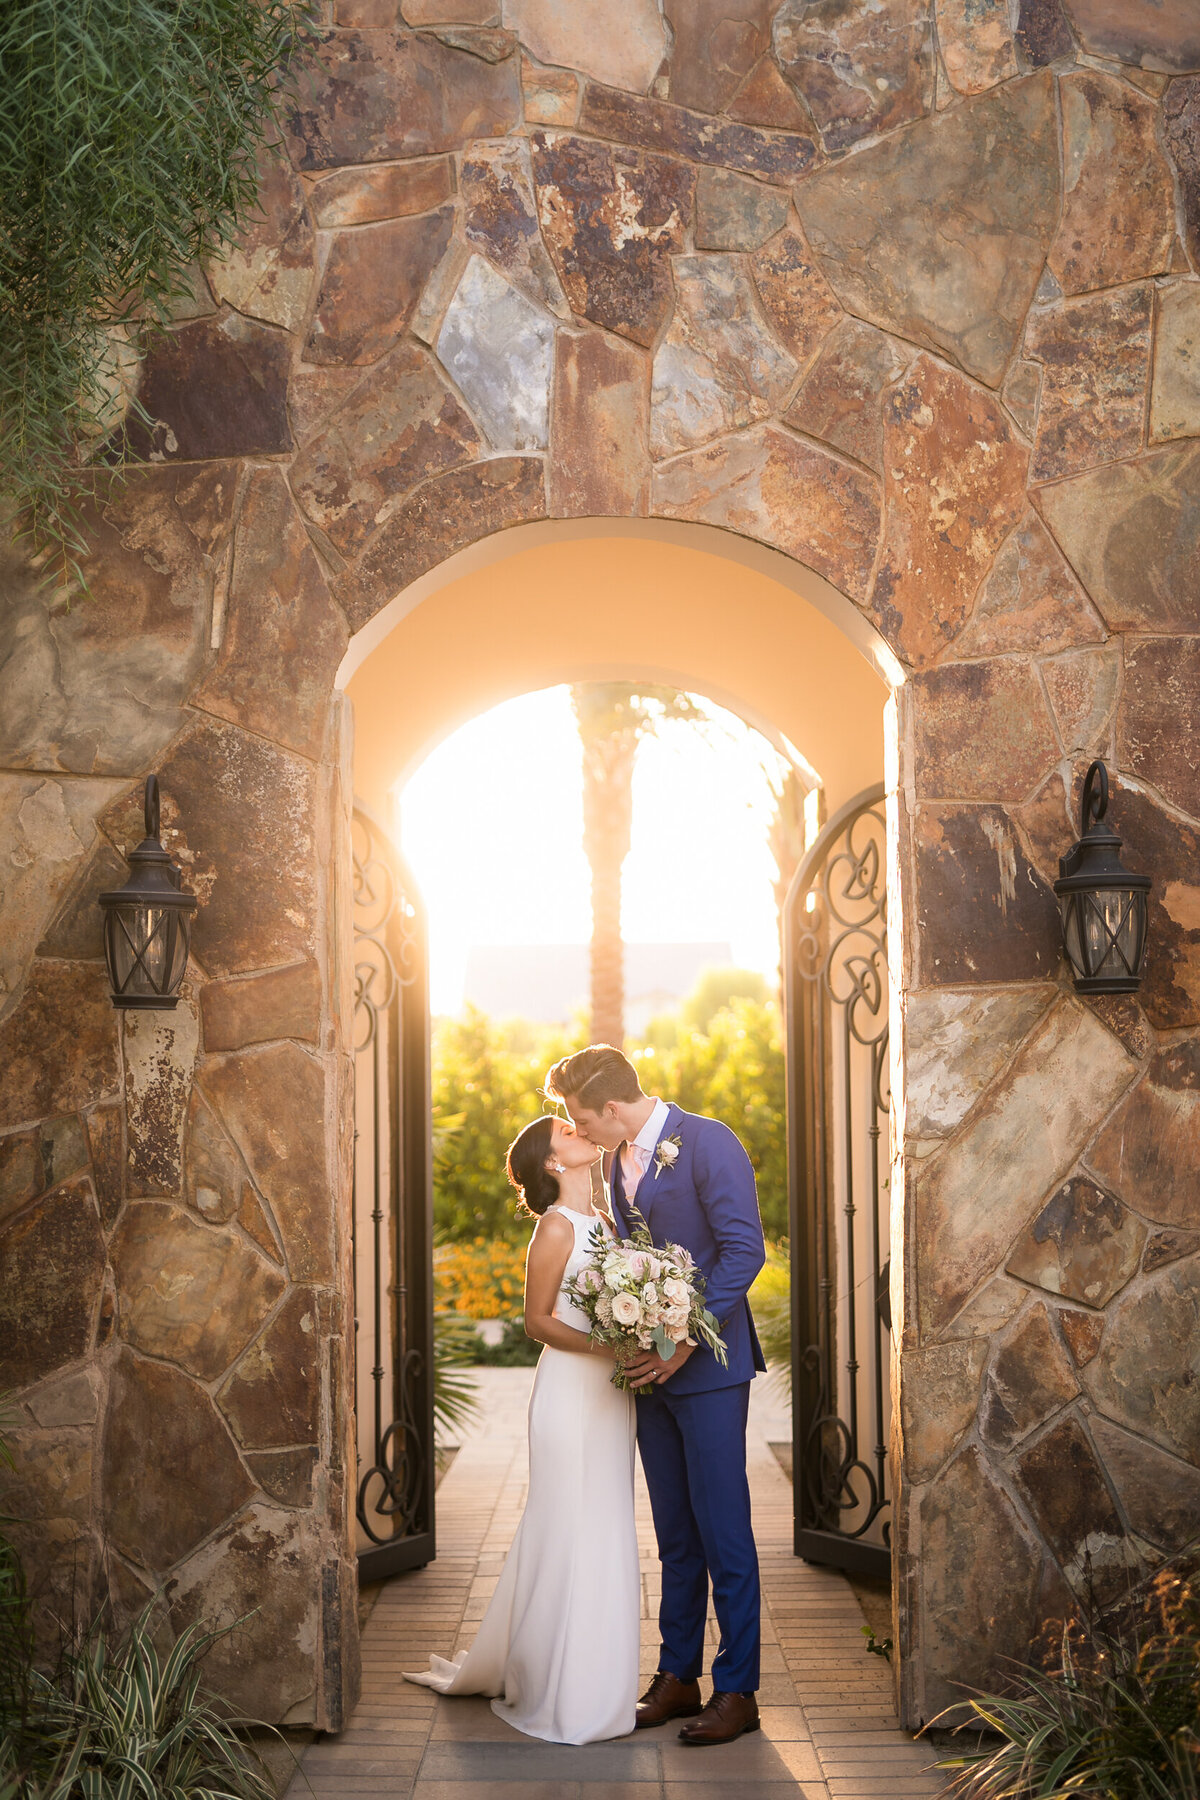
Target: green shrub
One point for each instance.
(487, 1081)
(733, 1071)
(514, 1350)
(717, 989)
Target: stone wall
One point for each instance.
(909, 295)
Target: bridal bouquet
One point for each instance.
(642, 1296)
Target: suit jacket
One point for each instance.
(707, 1201)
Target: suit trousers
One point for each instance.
(693, 1450)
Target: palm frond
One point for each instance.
(455, 1392)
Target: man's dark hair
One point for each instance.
(593, 1077)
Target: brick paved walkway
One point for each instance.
(829, 1731)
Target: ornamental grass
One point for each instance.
(1116, 1717)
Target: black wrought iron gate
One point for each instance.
(836, 987)
(393, 1211)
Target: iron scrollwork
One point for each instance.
(393, 1486)
(393, 1303)
(835, 925)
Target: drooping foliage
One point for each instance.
(129, 136)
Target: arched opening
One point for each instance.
(763, 636)
(588, 600)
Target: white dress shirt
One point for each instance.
(641, 1150)
(652, 1130)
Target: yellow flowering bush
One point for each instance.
(480, 1277)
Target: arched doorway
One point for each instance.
(546, 605)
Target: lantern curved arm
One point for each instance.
(1093, 808)
(151, 807)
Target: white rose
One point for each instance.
(649, 1294)
(625, 1309)
(676, 1316)
(668, 1152)
(676, 1290)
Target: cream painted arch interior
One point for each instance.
(689, 605)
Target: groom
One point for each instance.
(691, 1180)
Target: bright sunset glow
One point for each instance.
(492, 825)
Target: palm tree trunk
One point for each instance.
(607, 956)
(612, 719)
(607, 831)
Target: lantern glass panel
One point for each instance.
(179, 930)
(1104, 931)
(1068, 908)
(1110, 932)
(142, 941)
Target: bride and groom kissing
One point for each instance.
(558, 1646)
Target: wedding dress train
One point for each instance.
(558, 1645)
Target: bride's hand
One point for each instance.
(650, 1367)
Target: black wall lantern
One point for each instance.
(148, 923)
(1103, 907)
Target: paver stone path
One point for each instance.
(829, 1728)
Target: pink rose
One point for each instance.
(625, 1309)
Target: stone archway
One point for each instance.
(502, 281)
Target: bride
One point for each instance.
(558, 1644)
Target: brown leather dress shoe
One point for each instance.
(724, 1718)
(668, 1698)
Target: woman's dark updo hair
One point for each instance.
(527, 1169)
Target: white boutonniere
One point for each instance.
(666, 1154)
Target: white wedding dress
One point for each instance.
(558, 1644)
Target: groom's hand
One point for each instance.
(650, 1366)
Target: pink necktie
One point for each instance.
(633, 1169)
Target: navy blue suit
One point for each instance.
(692, 1427)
